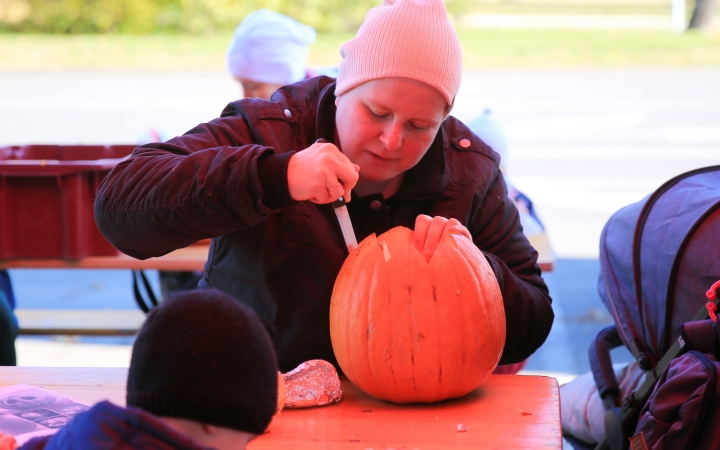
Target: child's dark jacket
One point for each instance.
(106, 426)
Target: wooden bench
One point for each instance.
(106, 322)
(99, 322)
(83, 322)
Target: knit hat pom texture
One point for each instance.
(405, 39)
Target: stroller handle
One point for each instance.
(601, 365)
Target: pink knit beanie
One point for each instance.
(406, 39)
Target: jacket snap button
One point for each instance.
(464, 143)
(375, 205)
(288, 114)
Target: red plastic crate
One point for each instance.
(46, 200)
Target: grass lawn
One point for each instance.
(482, 49)
(591, 48)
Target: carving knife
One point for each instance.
(343, 216)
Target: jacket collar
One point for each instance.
(325, 118)
(426, 179)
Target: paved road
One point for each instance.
(583, 143)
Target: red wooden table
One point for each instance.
(508, 412)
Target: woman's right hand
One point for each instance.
(321, 173)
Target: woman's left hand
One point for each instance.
(430, 230)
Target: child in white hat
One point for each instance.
(268, 50)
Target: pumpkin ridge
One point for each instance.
(413, 301)
(414, 332)
(415, 304)
(368, 379)
(489, 288)
(400, 311)
(343, 293)
(396, 351)
(423, 307)
(457, 375)
(378, 352)
(437, 330)
(487, 341)
(355, 304)
(472, 315)
(432, 350)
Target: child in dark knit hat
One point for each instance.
(203, 374)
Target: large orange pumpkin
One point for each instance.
(407, 330)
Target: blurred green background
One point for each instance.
(193, 34)
(175, 16)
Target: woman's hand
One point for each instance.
(430, 230)
(321, 174)
(7, 442)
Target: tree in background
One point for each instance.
(703, 14)
(173, 16)
(180, 16)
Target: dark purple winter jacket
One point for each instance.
(227, 180)
(106, 426)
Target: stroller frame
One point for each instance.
(621, 417)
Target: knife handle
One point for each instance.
(339, 202)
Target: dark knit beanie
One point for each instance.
(202, 355)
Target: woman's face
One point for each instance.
(387, 125)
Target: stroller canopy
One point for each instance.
(659, 256)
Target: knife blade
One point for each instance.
(343, 216)
(346, 227)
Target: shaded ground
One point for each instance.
(579, 315)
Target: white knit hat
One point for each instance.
(270, 48)
(407, 39)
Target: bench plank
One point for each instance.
(91, 322)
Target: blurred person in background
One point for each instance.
(267, 51)
(491, 131)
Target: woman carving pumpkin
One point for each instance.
(259, 180)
